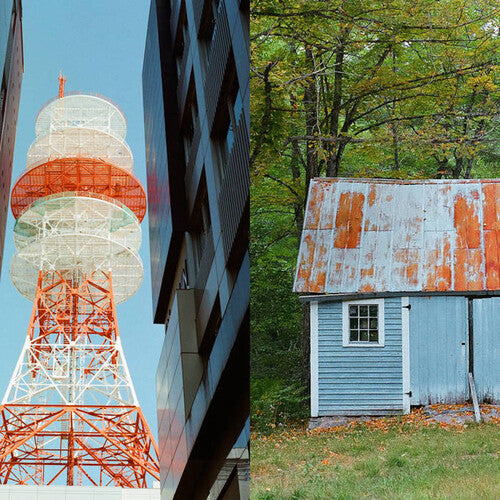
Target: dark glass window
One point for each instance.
(191, 119)
(181, 39)
(363, 323)
(226, 118)
(201, 225)
(206, 30)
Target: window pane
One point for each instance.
(353, 336)
(363, 311)
(353, 310)
(373, 336)
(373, 311)
(373, 323)
(354, 323)
(363, 335)
(363, 323)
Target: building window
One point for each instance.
(226, 119)
(201, 225)
(190, 121)
(206, 31)
(181, 39)
(363, 323)
(184, 279)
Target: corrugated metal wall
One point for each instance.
(438, 349)
(368, 380)
(486, 343)
(358, 380)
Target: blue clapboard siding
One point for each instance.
(438, 349)
(487, 348)
(358, 380)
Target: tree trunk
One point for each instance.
(266, 117)
(298, 204)
(311, 121)
(459, 162)
(470, 163)
(395, 146)
(394, 127)
(441, 167)
(332, 166)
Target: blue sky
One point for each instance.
(99, 45)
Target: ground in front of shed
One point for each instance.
(406, 457)
(438, 413)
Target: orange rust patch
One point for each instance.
(431, 264)
(366, 288)
(401, 255)
(412, 273)
(443, 271)
(439, 269)
(366, 272)
(409, 258)
(491, 206)
(327, 209)
(307, 261)
(336, 271)
(372, 195)
(348, 220)
(466, 224)
(468, 274)
(318, 284)
(316, 197)
(492, 257)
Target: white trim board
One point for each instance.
(405, 348)
(314, 365)
(381, 323)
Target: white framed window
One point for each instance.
(363, 323)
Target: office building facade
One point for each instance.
(12, 67)
(196, 111)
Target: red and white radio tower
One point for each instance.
(70, 413)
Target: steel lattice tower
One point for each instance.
(70, 413)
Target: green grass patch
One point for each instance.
(390, 463)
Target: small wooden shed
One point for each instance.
(403, 280)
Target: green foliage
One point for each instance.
(275, 404)
(275, 311)
(387, 84)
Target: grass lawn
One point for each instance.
(390, 459)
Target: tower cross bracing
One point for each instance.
(70, 413)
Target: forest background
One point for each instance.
(388, 89)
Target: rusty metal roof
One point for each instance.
(371, 235)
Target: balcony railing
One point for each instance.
(235, 187)
(219, 52)
(184, 76)
(199, 8)
(207, 255)
(193, 150)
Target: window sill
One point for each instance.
(362, 344)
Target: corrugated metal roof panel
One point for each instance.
(371, 235)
